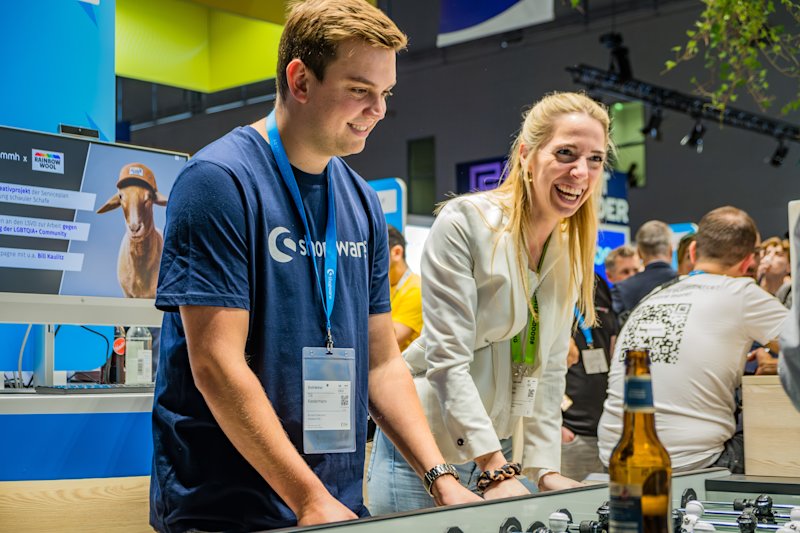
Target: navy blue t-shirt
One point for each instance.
(234, 239)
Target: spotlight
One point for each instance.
(653, 125)
(620, 62)
(780, 154)
(695, 137)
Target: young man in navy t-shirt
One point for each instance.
(274, 283)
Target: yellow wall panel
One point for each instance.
(163, 41)
(242, 50)
(186, 44)
(269, 10)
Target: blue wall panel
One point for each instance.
(58, 65)
(58, 68)
(75, 446)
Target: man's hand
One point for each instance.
(447, 490)
(567, 435)
(767, 365)
(573, 353)
(216, 338)
(555, 481)
(324, 511)
(505, 489)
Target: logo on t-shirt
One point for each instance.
(272, 243)
(659, 327)
(279, 235)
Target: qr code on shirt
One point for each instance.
(345, 400)
(658, 327)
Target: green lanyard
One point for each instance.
(526, 353)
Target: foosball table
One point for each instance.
(703, 500)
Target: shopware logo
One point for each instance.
(292, 247)
(44, 161)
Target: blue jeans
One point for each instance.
(393, 486)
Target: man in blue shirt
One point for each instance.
(274, 281)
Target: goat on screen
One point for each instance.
(140, 249)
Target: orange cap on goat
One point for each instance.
(136, 172)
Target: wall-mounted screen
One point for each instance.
(80, 220)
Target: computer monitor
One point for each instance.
(72, 210)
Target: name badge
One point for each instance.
(594, 361)
(523, 394)
(328, 406)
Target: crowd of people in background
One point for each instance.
(507, 329)
(660, 308)
(718, 313)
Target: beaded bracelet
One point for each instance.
(507, 471)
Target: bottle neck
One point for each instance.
(639, 421)
(639, 406)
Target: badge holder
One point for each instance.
(524, 375)
(594, 361)
(523, 390)
(328, 410)
(524, 363)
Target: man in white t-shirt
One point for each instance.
(698, 330)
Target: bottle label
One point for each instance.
(625, 508)
(145, 366)
(138, 363)
(119, 346)
(639, 394)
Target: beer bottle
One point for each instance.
(639, 469)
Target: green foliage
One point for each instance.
(737, 43)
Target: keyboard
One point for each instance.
(94, 388)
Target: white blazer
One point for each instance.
(473, 303)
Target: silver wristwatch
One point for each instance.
(435, 473)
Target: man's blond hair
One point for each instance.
(315, 28)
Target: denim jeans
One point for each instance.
(393, 486)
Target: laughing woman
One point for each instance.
(501, 274)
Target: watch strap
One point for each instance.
(435, 473)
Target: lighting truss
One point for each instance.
(697, 107)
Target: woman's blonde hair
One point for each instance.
(537, 130)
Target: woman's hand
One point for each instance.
(555, 481)
(447, 490)
(505, 489)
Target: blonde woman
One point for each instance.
(502, 272)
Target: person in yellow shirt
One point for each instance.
(405, 292)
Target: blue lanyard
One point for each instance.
(587, 332)
(696, 272)
(328, 293)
